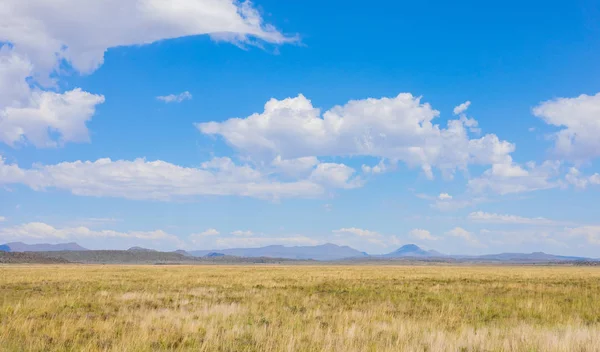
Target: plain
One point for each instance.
(299, 308)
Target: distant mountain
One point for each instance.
(4, 248)
(323, 252)
(412, 250)
(215, 254)
(182, 252)
(529, 257)
(44, 247)
(135, 257)
(140, 249)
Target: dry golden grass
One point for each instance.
(299, 308)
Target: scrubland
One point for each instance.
(299, 308)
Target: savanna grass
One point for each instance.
(299, 308)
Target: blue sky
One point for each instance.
(465, 127)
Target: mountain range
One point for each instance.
(322, 252)
(40, 247)
(325, 252)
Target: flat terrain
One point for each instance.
(299, 308)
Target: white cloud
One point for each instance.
(357, 232)
(64, 114)
(246, 233)
(461, 108)
(40, 36)
(42, 118)
(480, 216)
(465, 235)
(42, 231)
(208, 232)
(579, 119)
(506, 178)
(160, 180)
(575, 178)
(81, 31)
(444, 196)
(398, 129)
(2, 218)
(377, 169)
(295, 167)
(423, 235)
(335, 175)
(175, 98)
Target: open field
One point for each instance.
(299, 308)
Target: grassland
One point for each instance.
(299, 308)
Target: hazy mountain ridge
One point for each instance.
(321, 252)
(43, 247)
(146, 257)
(72, 252)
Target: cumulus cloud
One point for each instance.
(2, 218)
(579, 120)
(461, 108)
(160, 180)
(42, 118)
(81, 31)
(400, 128)
(381, 167)
(41, 36)
(298, 167)
(175, 98)
(480, 216)
(423, 235)
(336, 176)
(507, 178)
(444, 196)
(575, 178)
